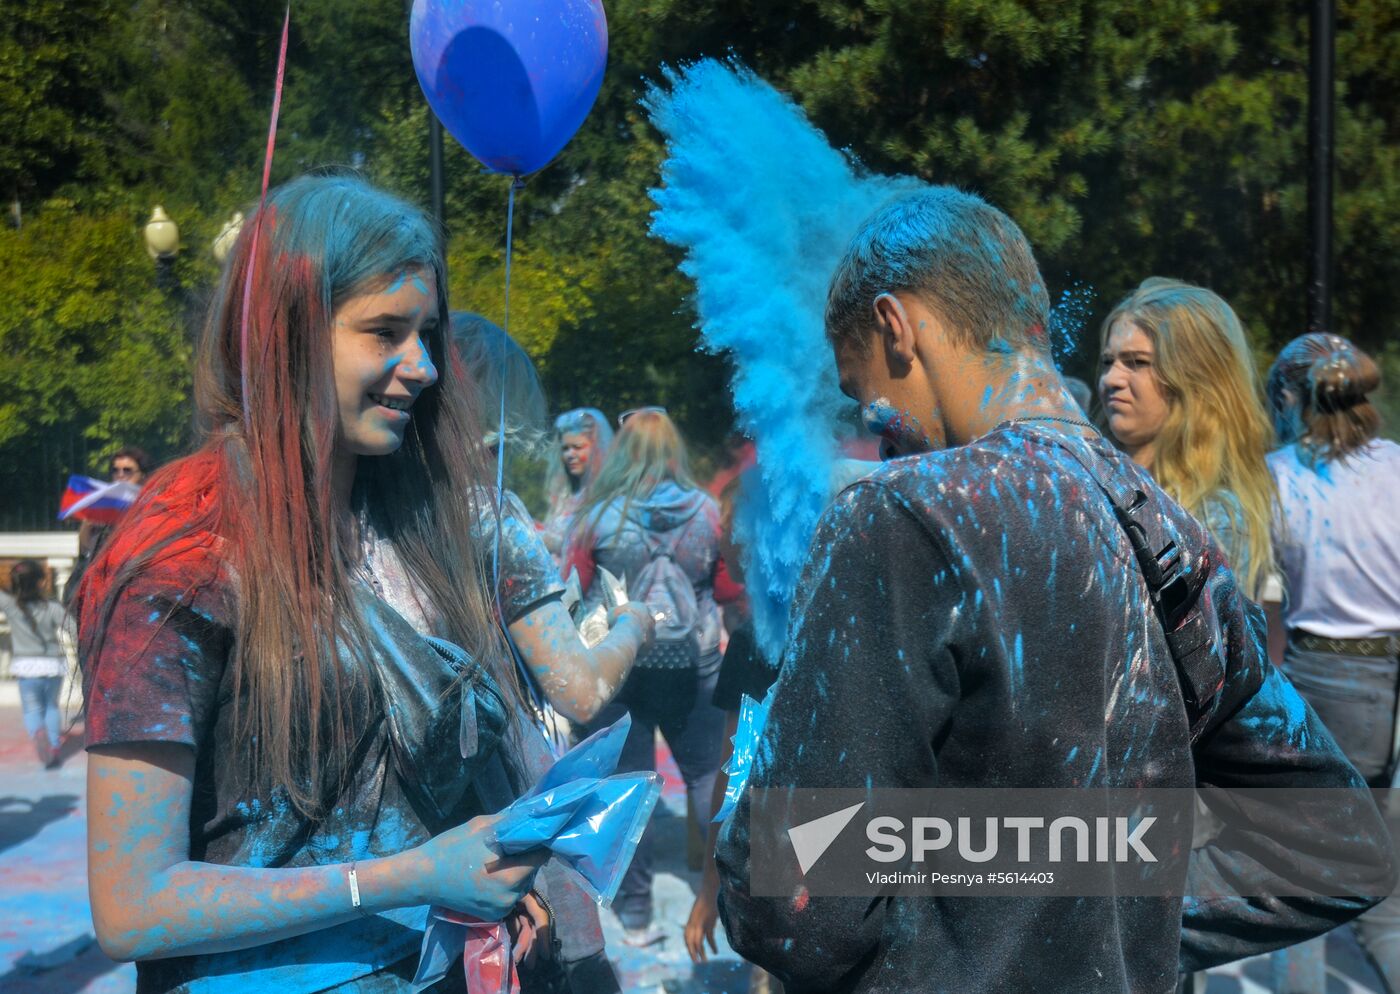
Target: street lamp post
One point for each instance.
(434, 157)
(162, 245)
(228, 234)
(1320, 94)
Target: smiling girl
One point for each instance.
(282, 768)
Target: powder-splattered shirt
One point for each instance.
(527, 573)
(528, 579)
(976, 618)
(162, 676)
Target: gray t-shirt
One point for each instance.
(35, 632)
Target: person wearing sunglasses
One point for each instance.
(129, 465)
(584, 437)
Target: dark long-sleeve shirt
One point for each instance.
(975, 618)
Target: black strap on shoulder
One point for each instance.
(1175, 589)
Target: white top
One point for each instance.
(1337, 541)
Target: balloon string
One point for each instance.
(541, 704)
(257, 224)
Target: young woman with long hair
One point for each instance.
(1337, 635)
(577, 681)
(38, 661)
(643, 505)
(1181, 396)
(584, 437)
(276, 746)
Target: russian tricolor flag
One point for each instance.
(92, 500)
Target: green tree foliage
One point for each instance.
(51, 98)
(1129, 138)
(84, 336)
(91, 354)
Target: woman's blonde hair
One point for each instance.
(589, 422)
(646, 453)
(1216, 434)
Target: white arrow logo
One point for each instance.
(812, 838)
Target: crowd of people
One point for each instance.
(268, 635)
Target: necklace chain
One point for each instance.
(1080, 422)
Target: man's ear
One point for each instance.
(898, 336)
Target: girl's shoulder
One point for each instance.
(166, 549)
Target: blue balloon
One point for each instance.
(512, 80)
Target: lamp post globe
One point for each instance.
(162, 235)
(228, 234)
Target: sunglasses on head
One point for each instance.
(622, 418)
(576, 420)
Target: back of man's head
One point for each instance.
(966, 260)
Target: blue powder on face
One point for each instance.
(764, 208)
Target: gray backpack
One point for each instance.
(669, 596)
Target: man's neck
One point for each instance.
(989, 389)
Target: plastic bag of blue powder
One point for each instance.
(589, 818)
(595, 757)
(753, 717)
(591, 826)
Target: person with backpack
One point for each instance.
(646, 522)
(39, 662)
(1010, 602)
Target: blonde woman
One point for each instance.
(644, 506)
(1181, 396)
(584, 438)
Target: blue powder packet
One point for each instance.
(593, 758)
(591, 826)
(589, 818)
(753, 717)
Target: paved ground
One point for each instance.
(46, 944)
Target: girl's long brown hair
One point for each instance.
(259, 488)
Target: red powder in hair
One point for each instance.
(168, 540)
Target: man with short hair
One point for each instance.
(973, 615)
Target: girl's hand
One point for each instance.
(464, 870)
(530, 929)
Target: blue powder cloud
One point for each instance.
(764, 208)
